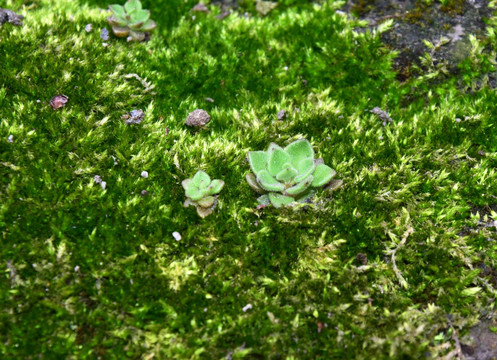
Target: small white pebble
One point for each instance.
(104, 44)
(193, 17)
(11, 139)
(131, 281)
(97, 179)
(38, 101)
(458, 120)
(103, 184)
(177, 236)
(247, 307)
(88, 27)
(144, 174)
(286, 68)
(76, 268)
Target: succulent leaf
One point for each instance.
(287, 173)
(137, 36)
(215, 187)
(132, 5)
(120, 31)
(187, 183)
(117, 10)
(257, 160)
(268, 182)
(116, 20)
(201, 176)
(322, 175)
(299, 150)
(277, 159)
(252, 181)
(300, 187)
(207, 201)
(305, 168)
(203, 211)
(148, 26)
(139, 17)
(264, 200)
(279, 200)
(194, 193)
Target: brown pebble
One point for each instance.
(58, 101)
(197, 117)
(200, 7)
(362, 258)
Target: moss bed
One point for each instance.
(399, 262)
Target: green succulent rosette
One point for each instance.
(285, 175)
(202, 192)
(130, 20)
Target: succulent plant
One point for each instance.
(201, 192)
(130, 20)
(287, 175)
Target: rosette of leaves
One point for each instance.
(285, 175)
(130, 20)
(202, 192)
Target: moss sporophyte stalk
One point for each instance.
(287, 175)
(130, 20)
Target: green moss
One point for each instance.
(91, 271)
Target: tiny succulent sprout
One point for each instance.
(202, 192)
(130, 20)
(285, 175)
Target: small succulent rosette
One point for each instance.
(130, 20)
(202, 192)
(287, 175)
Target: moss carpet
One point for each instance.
(397, 263)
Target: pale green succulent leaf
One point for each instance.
(120, 31)
(207, 201)
(264, 200)
(117, 10)
(305, 168)
(132, 5)
(277, 159)
(139, 17)
(279, 200)
(137, 36)
(299, 150)
(114, 20)
(287, 173)
(322, 175)
(148, 26)
(194, 193)
(252, 181)
(203, 211)
(187, 183)
(268, 182)
(215, 187)
(257, 160)
(300, 187)
(201, 176)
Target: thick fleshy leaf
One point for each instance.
(132, 5)
(137, 36)
(203, 212)
(268, 182)
(115, 20)
(300, 187)
(279, 200)
(139, 17)
(187, 183)
(207, 201)
(264, 200)
(334, 184)
(299, 150)
(193, 193)
(252, 181)
(120, 31)
(277, 159)
(148, 26)
(305, 168)
(201, 177)
(257, 160)
(188, 202)
(287, 173)
(117, 10)
(322, 175)
(214, 187)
